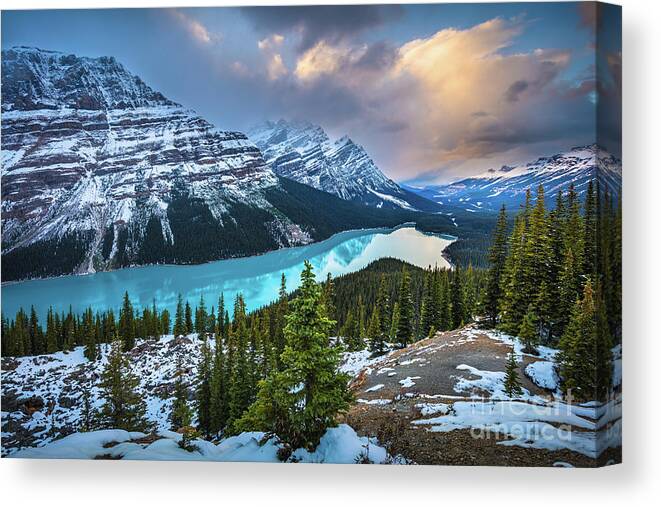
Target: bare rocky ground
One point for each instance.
(431, 369)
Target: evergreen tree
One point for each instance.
(179, 318)
(123, 407)
(51, 332)
(203, 389)
(181, 414)
(497, 261)
(218, 392)
(405, 324)
(528, 333)
(394, 325)
(585, 357)
(240, 393)
(127, 324)
(457, 300)
(164, 324)
(300, 402)
(512, 383)
(280, 319)
(201, 318)
(375, 333)
(383, 304)
(188, 318)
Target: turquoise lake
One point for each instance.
(257, 277)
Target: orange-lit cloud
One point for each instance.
(195, 29)
(456, 95)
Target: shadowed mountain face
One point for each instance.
(100, 171)
(303, 152)
(508, 185)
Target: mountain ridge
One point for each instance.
(489, 190)
(304, 152)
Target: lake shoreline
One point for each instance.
(368, 230)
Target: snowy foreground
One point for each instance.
(41, 402)
(338, 445)
(538, 418)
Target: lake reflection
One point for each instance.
(257, 277)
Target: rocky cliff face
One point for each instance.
(96, 163)
(303, 152)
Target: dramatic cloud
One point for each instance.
(270, 47)
(194, 28)
(454, 96)
(329, 23)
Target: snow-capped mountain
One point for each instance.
(508, 185)
(303, 152)
(100, 171)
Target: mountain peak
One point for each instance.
(35, 78)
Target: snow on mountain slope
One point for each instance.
(93, 159)
(303, 152)
(508, 185)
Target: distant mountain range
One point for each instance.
(508, 185)
(100, 171)
(303, 152)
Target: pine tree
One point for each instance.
(528, 333)
(497, 261)
(405, 325)
(383, 304)
(218, 392)
(374, 333)
(585, 357)
(188, 318)
(179, 318)
(300, 402)
(457, 300)
(203, 389)
(89, 333)
(164, 324)
(51, 332)
(240, 393)
(281, 311)
(201, 317)
(181, 414)
(394, 325)
(512, 383)
(123, 407)
(329, 297)
(127, 324)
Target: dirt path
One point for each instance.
(391, 391)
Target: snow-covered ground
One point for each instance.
(528, 420)
(338, 445)
(53, 385)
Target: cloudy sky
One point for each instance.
(433, 92)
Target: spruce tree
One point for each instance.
(239, 389)
(528, 333)
(497, 261)
(181, 414)
(300, 402)
(383, 304)
(203, 389)
(405, 325)
(374, 333)
(127, 324)
(179, 318)
(188, 318)
(201, 319)
(585, 357)
(457, 300)
(218, 389)
(512, 383)
(123, 406)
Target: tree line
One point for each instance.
(556, 280)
